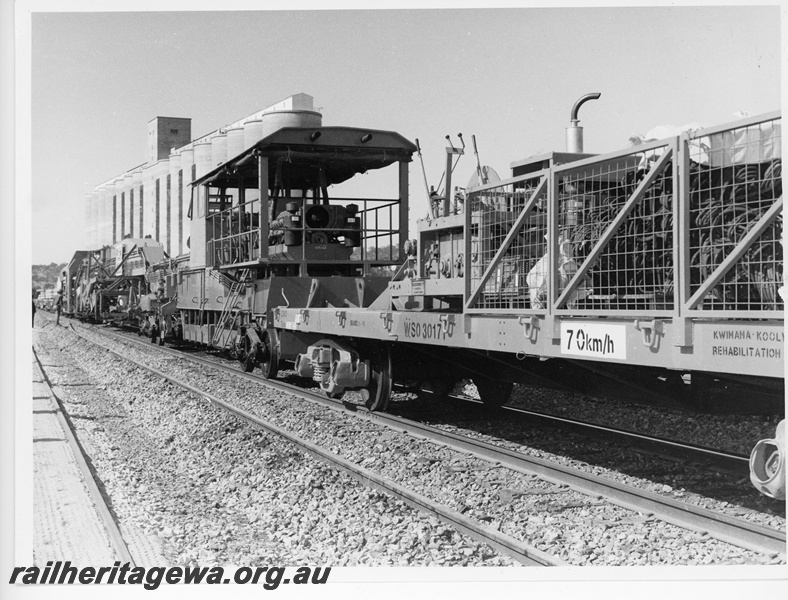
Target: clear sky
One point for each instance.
(509, 76)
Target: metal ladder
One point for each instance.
(229, 314)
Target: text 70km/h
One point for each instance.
(594, 340)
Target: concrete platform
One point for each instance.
(67, 525)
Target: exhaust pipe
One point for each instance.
(574, 133)
(767, 465)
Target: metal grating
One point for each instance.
(735, 179)
(618, 215)
(519, 280)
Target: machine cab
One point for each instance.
(275, 206)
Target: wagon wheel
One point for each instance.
(238, 348)
(239, 352)
(249, 362)
(377, 394)
(494, 393)
(246, 355)
(269, 353)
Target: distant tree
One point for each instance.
(46, 276)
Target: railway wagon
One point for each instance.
(45, 300)
(107, 285)
(272, 227)
(657, 267)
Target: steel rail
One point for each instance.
(732, 530)
(100, 502)
(524, 553)
(735, 464)
(728, 529)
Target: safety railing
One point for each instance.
(234, 234)
(381, 238)
(365, 231)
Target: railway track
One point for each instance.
(726, 462)
(524, 553)
(594, 487)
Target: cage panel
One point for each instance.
(734, 189)
(518, 278)
(615, 233)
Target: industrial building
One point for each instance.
(152, 199)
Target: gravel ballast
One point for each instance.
(213, 490)
(557, 521)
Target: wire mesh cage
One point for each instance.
(518, 280)
(620, 215)
(617, 216)
(735, 218)
(688, 223)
